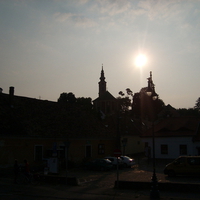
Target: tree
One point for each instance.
(129, 92)
(67, 98)
(143, 105)
(85, 102)
(197, 104)
(188, 112)
(124, 102)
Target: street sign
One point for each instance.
(117, 153)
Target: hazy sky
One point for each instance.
(48, 47)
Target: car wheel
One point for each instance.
(171, 173)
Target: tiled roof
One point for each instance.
(34, 117)
(174, 127)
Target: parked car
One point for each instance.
(98, 164)
(183, 165)
(127, 161)
(114, 162)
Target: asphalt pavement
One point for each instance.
(98, 185)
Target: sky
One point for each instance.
(48, 47)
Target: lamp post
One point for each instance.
(154, 194)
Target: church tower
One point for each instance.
(106, 103)
(102, 83)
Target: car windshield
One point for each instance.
(107, 160)
(127, 157)
(180, 160)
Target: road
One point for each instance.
(96, 185)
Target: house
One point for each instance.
(174, 136)
(131, 142)
(37, 129)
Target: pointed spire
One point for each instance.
(102, 78)
(102, 83)
(150, 81)
(151, 88)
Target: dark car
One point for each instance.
(99, 164)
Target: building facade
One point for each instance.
(174, 137)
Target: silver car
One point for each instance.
(114, 161)
(127, 161)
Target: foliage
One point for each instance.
(197, 104)
(69, 100)
(124, 103)
(84, 102)
(145, 107)
(188, 112)
(129, 92)
(142, 105)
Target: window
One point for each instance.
(164, 149)
(38, 153)
(101, 149)
(183, 149)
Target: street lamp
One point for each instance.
(154, 194)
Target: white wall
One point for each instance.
(173, 146)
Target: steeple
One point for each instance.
(102, 83)
(150, 82)
(151, 88)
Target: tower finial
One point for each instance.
(102, 83)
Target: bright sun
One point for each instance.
(140, 60)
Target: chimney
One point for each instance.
(11, 95)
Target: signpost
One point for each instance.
(117, 153)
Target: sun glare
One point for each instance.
(140, 60)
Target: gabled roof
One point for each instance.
(106, 96)
(174, 127)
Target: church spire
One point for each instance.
(102, 83)
(151, 87)
(150, 81)
(102, 78)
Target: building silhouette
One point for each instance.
(106, 103)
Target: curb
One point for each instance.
(172, 187)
